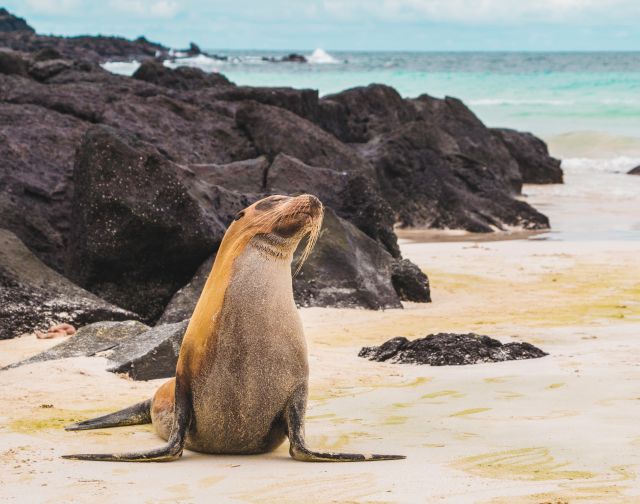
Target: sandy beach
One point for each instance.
(558, 429)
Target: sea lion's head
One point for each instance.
(276, 225)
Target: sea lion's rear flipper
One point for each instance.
(294, 417)
(133, 415)
(170, 451)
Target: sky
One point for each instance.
(405, 25)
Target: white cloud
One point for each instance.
(151, 8)
(490, 11)
(53, 6)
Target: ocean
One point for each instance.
(585, 105)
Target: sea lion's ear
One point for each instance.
(239, 215)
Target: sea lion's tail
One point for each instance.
(133, 415)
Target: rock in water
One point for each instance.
(446, 349)
(34, 297)
(532, 155)
(183, 78)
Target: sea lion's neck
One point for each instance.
(272, 246)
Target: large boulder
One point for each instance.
(471, 138)
(429, 182)
(368, 111)
(532, 155)
(182, 78)
(247, 176)
(137, 232)
(346, 269)
(34, 297)
(12, 62)
(302, 102)
(274, 130)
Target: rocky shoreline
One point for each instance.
(125, 185)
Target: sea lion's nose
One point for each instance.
(314, 203)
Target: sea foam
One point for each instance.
(320, 57)
(121, 67)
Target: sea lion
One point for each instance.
(242, 373)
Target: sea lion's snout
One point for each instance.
(299, 215)
(314, 204)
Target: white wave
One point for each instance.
(619, 164)
(200, 61)
(121, 67)
(320, 56)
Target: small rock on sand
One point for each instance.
(446, 349)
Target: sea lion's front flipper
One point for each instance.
(171, 451)
(294, 417)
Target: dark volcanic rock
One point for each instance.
(369, 111)
(445, 349)
(184, 301)
(302, 102)
(150, 355)
(246, 176)
(410, 282)
(182, 78)
(532, 156)
(346, 269)
(634, 171)
(289, 58)
(138, 233)
(37, 149)
(273, 131)
(96, 49)
(90, 340)
(43, 70)
(130, 347)
(34, 297)
(471, 138)
(429, 182)
(11, 23)
(288, 175)
(12, 62)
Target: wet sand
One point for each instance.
(558, 429)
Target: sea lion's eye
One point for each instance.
(239, 215)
